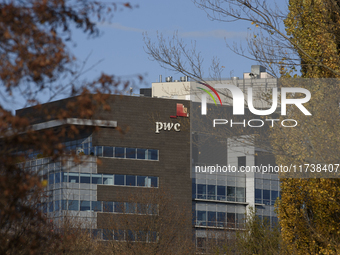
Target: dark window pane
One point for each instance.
(119, 179)
(141, 153)
(57, 177)
(99, 151)
(231, 220)
(241, 161)
(141, 181)
(119, 207)
(56, 205)
(230, 193)
(85, 178)
(193, 189)
(258, 193)
(108, 179)
(119, 235)
(107, 234)
(97, 179)
(63, 204)
(96, 206)
(130, 207)
(73, 205)
(211, 218)
(119, 152)
(211, 192)
(240, 194)
(130, 153)
(131, 235)
(108, 152)
(201, 191)
(64, 177)
(153, 154)
(107, 206)
(201, 218)
(50, 206)
(141, 208)
(73, 177)
(85, 206)
(266, 194)
(131, 180)
(96, 234)
(221, 218)
(275, 195)
(154, 181)
(51, 179)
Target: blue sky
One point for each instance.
(120, 46)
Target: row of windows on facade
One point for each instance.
(267, 197)
(84, 147)
(219, 219)
(216, 192)
(124, 235)
(99, 206)
(106, 179)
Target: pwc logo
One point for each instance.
(181, 111)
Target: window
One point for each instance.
(211, 192)
(97, 179)
(201, 218)
(108, 152)
(231, 220)
(131, 180)
(221, 219)
(201, 191)
(130, 153)
(119, 207)
(240, 194)
(56, 205)
(85, 178)
(73, 177)
(241, 161)
(153, 154)
(107, 206)
(230, 193)
(119, 152)
(108, 179)
(154, 181)
(50, 206)
(96, 206)
(99, 151)
(130, 207)
(141, 181)
(85, 206)
(141, 208)
(141, 153)
(107, 234)
(73, 205)
(119, 179)
(221, 193)
(51, 179)
(212, 219)
(119, 235)
(57, 177)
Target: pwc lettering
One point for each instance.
(181, 111)
(238, 105)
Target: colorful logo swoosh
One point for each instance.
(213, 90)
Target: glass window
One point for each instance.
(141, 181)
(201, 218)
(130, 153)
(230, 193)
(141, 153)
(63, 204)
(240, 220)
(193, 188)
(73, 177)
(141, 236)
(152, 209)
(96, 233)
(153, 154)
(211, 192)
(119, 179)
(56, 205)
(211, 218)
(50, 206)
(241, 161)
(108, 179)
(96, 206)
(131, 180)
(73, 205)
(201, 191)
(258, 193)
(85, 206)
(154, 181)
(231, 220)
(119, 235)
(266, 194)
(57, 177)
(108, 152)
(97, 179)
(85, 178)
(131, 235)
(107, 206)
(119, 152)
(240, 194)
(107, 234)
(221, 195)
(99, 151)
(141, 208)
(221, 219)
(119, 207)
(51, 179)
(275, 194)
(130, 207)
